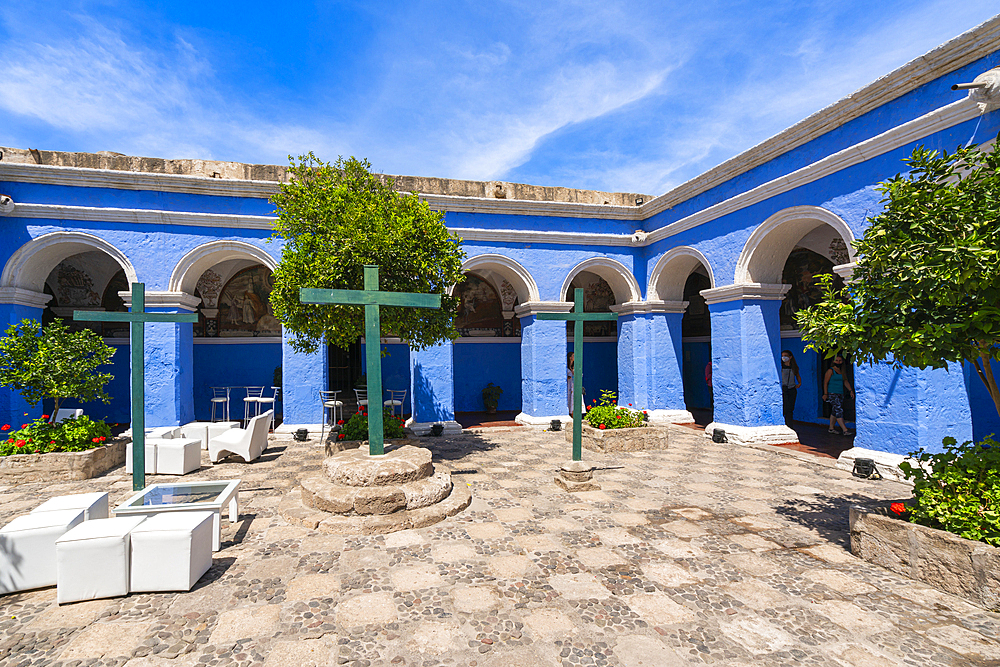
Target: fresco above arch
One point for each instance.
(598, 297)
(802, 268)
(480, 310)
(245, 306)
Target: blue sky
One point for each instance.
(605, 95)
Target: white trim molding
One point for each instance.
(667, 306)
(522, 280)
(535, 307)
(16, 296)
(30, 265)
(186, 274)
(142, 216)
(171, 300)
(674, 267)
(451, 427)
(745, 292)
(765, 252)
(754, 435)
(631, 308)
(462, 204)
(617, 275)
(542, 422)
(846, 271)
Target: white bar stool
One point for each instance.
(252, 401)
(396, 399)
(220, 396)
(331, 407)
(269, 403)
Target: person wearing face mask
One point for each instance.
(835, 385)
(790, 383)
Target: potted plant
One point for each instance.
(491, 397)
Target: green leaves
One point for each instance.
(54, 363)
(926, 286)
(336, 218)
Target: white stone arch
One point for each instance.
(518, 276)
(670, 274)
(616, 274)
(189, 269)
(765, 252)
(30, 266)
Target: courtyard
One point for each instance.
(702, 553)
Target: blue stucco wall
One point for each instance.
(985, 420)
(600, 368)
(395, 370)
(478, 363)
(237, 365)
(431, 383)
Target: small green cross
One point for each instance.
(371, 298)
(137, 318)
(578, 317)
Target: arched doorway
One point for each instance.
(696, 334)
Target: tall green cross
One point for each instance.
(371, 298)
(137, 318)
(578, 317)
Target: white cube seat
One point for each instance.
(150, 459)
(164, 432)
(92, 559)
(177, 456)
(94, 505)
(28, 548)
(171, 551)
(205, 431)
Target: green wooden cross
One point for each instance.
(578, 317)
(137, 318)
(371, 298)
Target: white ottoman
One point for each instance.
(150, 458)
(163, 432)
(205, 431)
(92, 559)
(171, 551)
(28, 548)
(94, 505)
(177, 456)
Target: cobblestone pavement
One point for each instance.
(700, 554)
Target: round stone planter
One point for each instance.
(620, 439)
(62, 466)
(949, 563)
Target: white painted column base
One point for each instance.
(542, 421)
(423, 428)
(754, 435)
(886, 463)
(670, 417)
(292, 428)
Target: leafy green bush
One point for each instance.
(958, 490)
(607, 414)
(39, 436)
(356, 428)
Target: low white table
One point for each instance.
(187, 497)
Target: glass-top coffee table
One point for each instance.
(187, 497)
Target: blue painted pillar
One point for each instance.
(665, 365)
(432, 386)
(902, 409)
(17, 305)
(633, 358)
(169, 360)
(543, 364)
(746, 348)
(303, 376)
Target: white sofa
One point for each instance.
(248, 443)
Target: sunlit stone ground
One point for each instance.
(700, 554)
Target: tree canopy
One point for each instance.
(926, 289)
(336, 218)
(54, 363)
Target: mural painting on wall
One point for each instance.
(598, 297)
(207, 289)
(245, 307)
(509, 300)
(75, 287)
(479, 308)
(801, 270)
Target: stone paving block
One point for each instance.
(377, 608)
(404, 538)
(756, 634)
(644, 651)
(669, 574)
(485, 531)
(434, 638)
(581, 586)
(513, 515)
(966, 642)
(856, 655)
(310, 586)
(597, 557)
(69, 616)
(614, 537)
(542, 542)
(852, 617)
(510, 567)
(272, 568)
(303, 653)
(473, 599)
(676, 548)
(245, 623)
(754, 542)
(417, 577)
(659, 609)
(754, 564)
(838, 581)
(757, 595)
(685, 528)
(105, 640)
(550, 623)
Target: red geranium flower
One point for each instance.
(5, 427)
(340, 437)
(45, 416)
(96, 440)
(24, 426)
(103, 438)
(340, 421)
(600, 426)
(897, 508)
(20, 443)
(52, 442)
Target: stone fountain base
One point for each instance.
(362, 494)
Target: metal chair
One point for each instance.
(332, 404)
(396, 399)
(269, 403)
(220, 396)
(362, 396)
(254, 394)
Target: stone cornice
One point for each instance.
(641, 307)
(529, 236)
(667, 306)
(23, 297)
(535, 307)
(171, 300)
(745, 292)
(950, 56)
(457, 204)
(141, 216)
